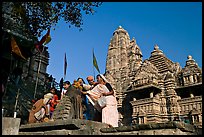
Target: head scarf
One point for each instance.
(47, 97)
(103, 77)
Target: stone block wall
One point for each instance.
(10, 126)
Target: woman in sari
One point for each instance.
(109, 112)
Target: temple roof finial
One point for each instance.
(189, 57)
(156, 47)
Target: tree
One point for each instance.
(39, 16)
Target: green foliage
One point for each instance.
(39, 16)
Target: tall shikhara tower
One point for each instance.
(123, 59)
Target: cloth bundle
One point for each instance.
(96, 98)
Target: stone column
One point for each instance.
(195, 78)
(193, 120)
(200, 118)
(184, 80)
(191, 95)
(10, 126)
(151, 95)
(145, 119)
(191, 79)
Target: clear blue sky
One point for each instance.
(175, 26)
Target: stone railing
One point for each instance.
(188, 104)
(144, 101)
(168, 128)
(145, 81)
(190, 99)
(148, 105)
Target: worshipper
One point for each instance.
(40, 109)
(79, 85)
(76, 100)
(109, 112)
(92, 113)
(53, 103)
(91, 84)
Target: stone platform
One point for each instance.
(87, 127)
(63, 127)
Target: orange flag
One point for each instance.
(15, 48)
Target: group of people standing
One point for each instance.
(84, 98)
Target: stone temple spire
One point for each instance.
(120, 30)
(123, 59)
(117, 52)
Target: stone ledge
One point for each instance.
(70, 124)
(168, 125)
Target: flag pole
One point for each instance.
(39, 65)
(17, 96)
(94, 72)
(65, 65)
(93, 63)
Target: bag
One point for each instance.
(102, 101)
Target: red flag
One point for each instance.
(46, 38)
(65, 65)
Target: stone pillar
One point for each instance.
(151, 95)
(195, 78)
(200, 118)
(193, 120)
(191, 95)
(184, 80)
(145, 119)
(191, 79)
(10, 126)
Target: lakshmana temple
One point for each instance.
(155, 89)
